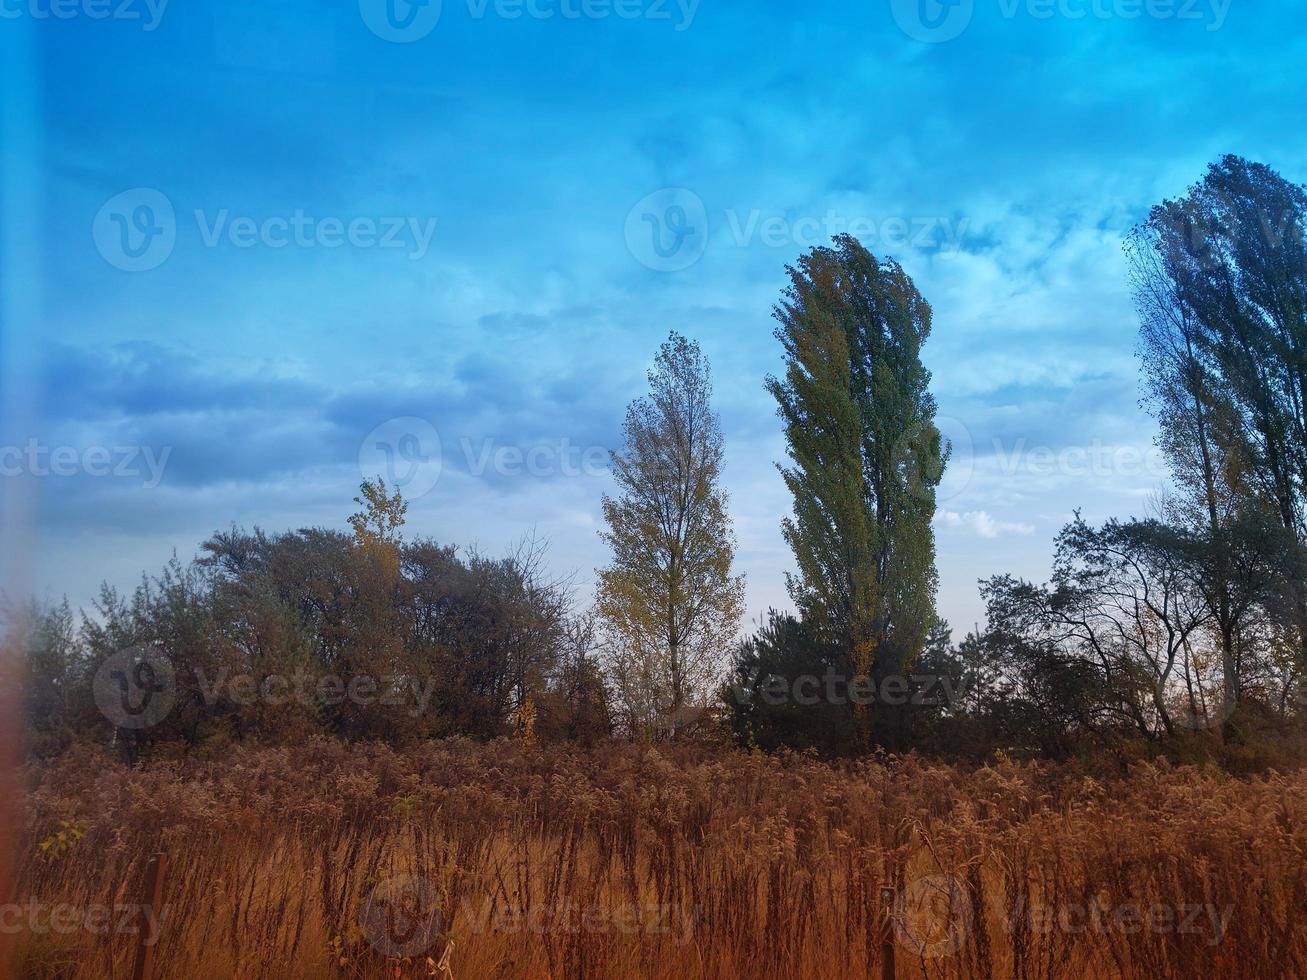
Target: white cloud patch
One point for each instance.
(981, 523)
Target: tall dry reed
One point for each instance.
(473, 861)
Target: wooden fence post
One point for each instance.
(151, 900)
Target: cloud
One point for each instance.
(224, 421)
(979, 522)
(530, 322)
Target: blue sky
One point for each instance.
(348, 215)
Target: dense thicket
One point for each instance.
(265, 633)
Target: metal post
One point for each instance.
(150, 911)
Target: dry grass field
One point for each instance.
(502, 860)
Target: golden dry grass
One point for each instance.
(661, 863)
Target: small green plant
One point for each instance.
(402, 807)
(62, 840)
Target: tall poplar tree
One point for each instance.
(669, 602)
(867, 457)
(1221, 277)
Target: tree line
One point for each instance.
(1180, 630)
